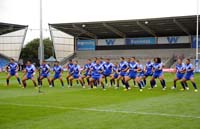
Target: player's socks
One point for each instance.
(145, 81)
(183, 85)
(106, 81)
(52, 83)
(140, 85)
(70, 83)
(152, 82)
(174, 84)
(7, 82)
(77, 82)
(194, 85)
(102, 85)
(127, 85)
(163, 83)
(67, 81)
(88, 81)
(18, 79)
(62, 83)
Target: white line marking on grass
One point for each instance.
(104, 110)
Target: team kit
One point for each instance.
(103, 73)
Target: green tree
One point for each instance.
(30, 51)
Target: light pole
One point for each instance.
(41, 48)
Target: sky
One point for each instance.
(26, 12)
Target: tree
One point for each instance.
(30, 51)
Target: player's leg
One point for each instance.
(8, 79)
(102, 83)
(162, 81)
(18, 79)
(52, 81)
(24, 81)
(81, 81)
(71, 78)
(34, 81)
(67, 78)
(175, 80)
(153, 82)
(127, 78)
(91, 82)
(49, 81)
(193, 83)
(139, 82)
(118, 79)
(40, 80)
(61, 81)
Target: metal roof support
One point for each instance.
(85, 31)
(116, 31)
(181, 27)
(147, 29)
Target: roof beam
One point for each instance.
(147, 29)
(181, 26)
(116, 31)
(85, 31)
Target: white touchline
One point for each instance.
(102, 110)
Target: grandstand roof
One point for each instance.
(7, 27)
(152, 27)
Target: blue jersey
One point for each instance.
(30, 69)
(13, 67)
(180, 68)
(157, 67)
(133, 66)
(140, 66)
(188, 68)
(70, 67)
(76, 69)
(108, 68)
(45, 68)
(57, 69)
(149, 67)
(97, 70)
(123, 65)
(87, 67)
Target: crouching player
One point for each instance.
(114, 75)
(45, 73)
(29, 74)
(58, 74)
(158, 73)
(76, 74)
(12, 69)
(107, 70)
(189, 76)
(123, 67)
(97, 71)
(132, 74)
(148, 70)
(180, 72)
(87, 70)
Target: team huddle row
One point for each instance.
(95, 72)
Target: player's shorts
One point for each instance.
(140, 74)
(132, 75)
(148, 74)
(106, 74)
(56, 76)
(122, 74)
(157, 74)
(70, 73)
(76, 76)
(116, 75)
(95, 77)
(45, 75)
(29, 76)
(188, 76)
(12, 73)
(179, 76)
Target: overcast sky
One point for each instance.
(26, 12)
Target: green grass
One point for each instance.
(77, 108)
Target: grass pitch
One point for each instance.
(77, 108)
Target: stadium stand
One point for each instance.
(168, 38)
